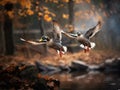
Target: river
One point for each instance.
(88, 81)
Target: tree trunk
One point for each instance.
(41, 27)
(8, 31)
(1, 39)
(71, 15)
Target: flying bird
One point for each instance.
(55, 42)
(50, 43)
(84, 39)
(55, 45)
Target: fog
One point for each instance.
(108, 12)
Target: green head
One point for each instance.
(44, 39)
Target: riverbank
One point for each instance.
(20, 72)
(93, 57)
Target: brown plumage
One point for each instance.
(84, 40)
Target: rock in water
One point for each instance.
(49, 68)
(94, 67)
(112, 65)
(78, 65)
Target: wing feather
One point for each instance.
(32, 42)
(92, 31)
(68, 35)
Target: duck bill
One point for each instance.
(41, 40)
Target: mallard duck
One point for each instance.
(84, 39)
(55, 45)
(50, 43)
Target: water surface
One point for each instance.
(88, 81)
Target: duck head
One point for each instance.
(44, 39)
(80, 34)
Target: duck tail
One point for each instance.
(65, 49)
(92, 44)
(82, 46)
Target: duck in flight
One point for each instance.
(54, 42)
(84, 39)
(50, 43)
(61, 49)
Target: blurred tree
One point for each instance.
(8, 30)
(1, 34)
(25, 8)
(71, 15)
(41, 22)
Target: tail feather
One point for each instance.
(65, 48)
(92, 44)
(82, 46)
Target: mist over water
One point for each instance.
(89, 81)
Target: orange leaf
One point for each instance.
(47, 18)
(65, 16)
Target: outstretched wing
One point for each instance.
(69, 35)
(32, 42)
(92, 31)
